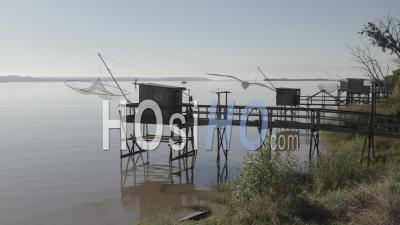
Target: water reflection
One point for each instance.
(222, 173)
(156, 188)
(135, 172)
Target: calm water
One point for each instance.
(53, 169)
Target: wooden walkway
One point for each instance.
(302, 118)
(316, 119)
(312, 120)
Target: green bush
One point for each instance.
(272, 191)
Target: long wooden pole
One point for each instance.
(109, 71)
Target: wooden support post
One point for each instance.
(222, 174)
(314, 144)
(221, 131)
(314, 135)
(370, 134)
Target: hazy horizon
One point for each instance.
(180, 38)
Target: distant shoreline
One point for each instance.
(302, 79)
(17, 78)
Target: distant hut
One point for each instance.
(287, 96)
(356, 90)
(355, 85)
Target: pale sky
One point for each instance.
(184, 38)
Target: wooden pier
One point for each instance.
(302, 115)
(312, 120)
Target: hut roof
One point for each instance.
(163, 86)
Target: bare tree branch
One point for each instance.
(369, 65)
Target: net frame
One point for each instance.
(98, 88)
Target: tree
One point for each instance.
(368, 63)
(384, 33)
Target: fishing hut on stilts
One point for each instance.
(170, 101)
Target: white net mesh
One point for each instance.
(330, 88)
(97, 88)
